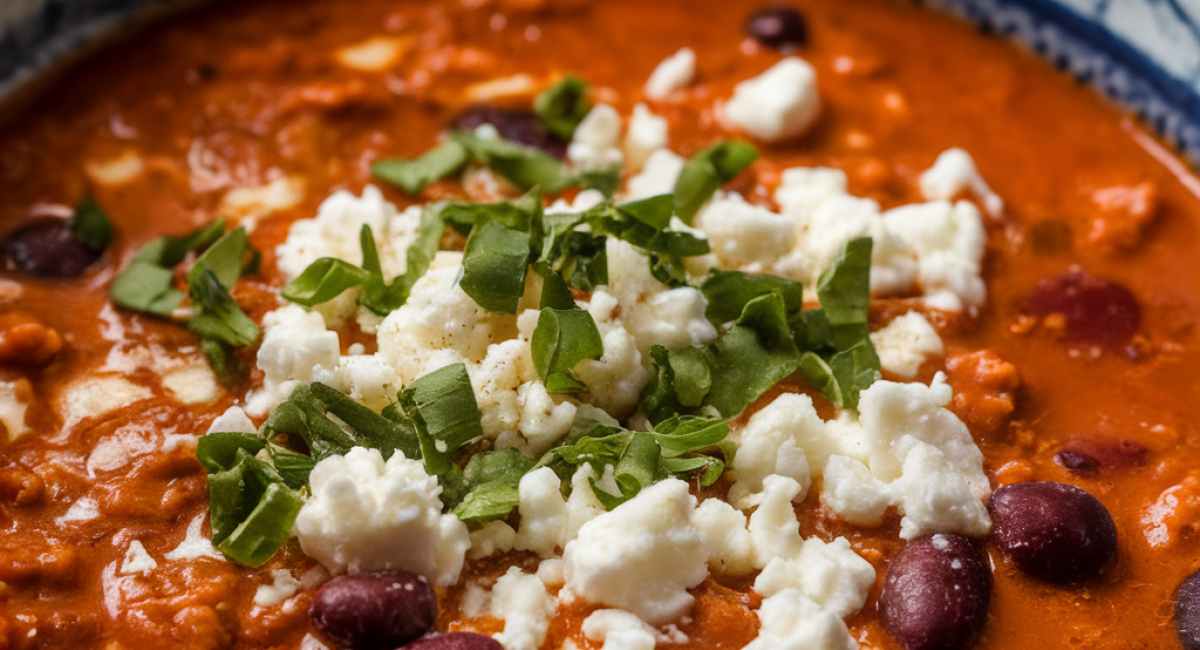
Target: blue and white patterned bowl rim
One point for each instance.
(1144, 54)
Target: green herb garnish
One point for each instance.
(705, 172)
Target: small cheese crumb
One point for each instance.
(792, 621)
(618, 630)
(195, 544)
(13, 405)
(673, 73)
(904, 344)
(192, 384)
(595, 144)
(137, 560)
(375, 54)
(954, 173)
(646, 134)
(522, 601)
(778, 104)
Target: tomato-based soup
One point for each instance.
(1076, 369)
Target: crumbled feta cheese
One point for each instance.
(774, 529)
(954, 173)
(792, 621)
(366, 378)
(375, 54)
(90, 397)
(949, 239)
(496, 379)
(726, 539)
(642, 556)
(584, 201)
(85, 509)
(137, 560)
(283, 586)
(516, 85)
(645, 134)
(778, 104)
(249, 204)
(802, 189)
(295, 343)
(673, 73)
(653, 313)
(774, 442)
(595, 145)
(904, 344)
(919, 453)
(234, 420)
(544, 419)
(543, 512)
(116, 171)
(521, 600)
(618, 630)
(831, 574)
(494, 537)
(334, 232)
(658, 176)
(740, 233)
(192, 384)
(439, 325)
(368, 515)
(196, 544)
(616, 379)
(13, 406)
(550, 572)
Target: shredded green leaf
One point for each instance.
(495, 263)
(705, 172)
(563, 106)
(524, 167)
(90, 225)
(146, 285)
(324, 280)
(413, 175)
(563, 338)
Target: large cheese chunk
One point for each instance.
(368, 515)
(673, 73)
(778, 104)
(642, 556)
(521, 600)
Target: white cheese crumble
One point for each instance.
(368, 515)
(740, 233)
(195, 544)
(295, 345)
(792, 621)
(12, 409)
(522, 601)
(673, 73)
(642, 556)
(618, 630)
(658, 175)
(954, 173)
(774, 442)
(726, 540)
(778, 104)
(233, 420)
(137, 560)
(904, 344)
(645, 134)
(595, 145)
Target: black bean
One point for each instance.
(374, 611)
(1187, 612)
(456, 641)
(1053, 531)
(935, 594)
(779, 27)
(47, 247)
(516, 125)
(1095, 310)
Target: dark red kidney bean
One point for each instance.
(47, 247)
(516, 125)
(456, 641)
(1077, 462)
(1187, 612)
(935, 594)
(374, 611)
(1053, 531)
(778, 27)
(1096, 310)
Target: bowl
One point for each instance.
(1143, 54)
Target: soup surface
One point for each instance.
(1076, 366)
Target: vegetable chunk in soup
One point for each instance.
(608, 325)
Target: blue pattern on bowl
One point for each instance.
(1145, 54)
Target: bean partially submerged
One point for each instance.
(935, 594)
(779, 27)
(456, 641)
(1053, 531)
(374, 611)
(48, 247)
(521, 126)
(1094, 310)
(1187, 612)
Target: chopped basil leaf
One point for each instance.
(555, 292)
(417, 258)
(753, 356)
(261, 534)
(90, 225)
(147, 284)
(563, 106)
(218, 451)
(324, 280)
(302, 414)
(370, 428)
(225, 258)
(293, 467)
(692, 371)
(494, 478)
(563, 338)
(729, 291)
(605, 181)
(638, 468)
(519, 214)
(220, 318)
(705, 172)
(495, 263)
(524, 167)
(845, 287)
(413, 175)
(445, 415)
